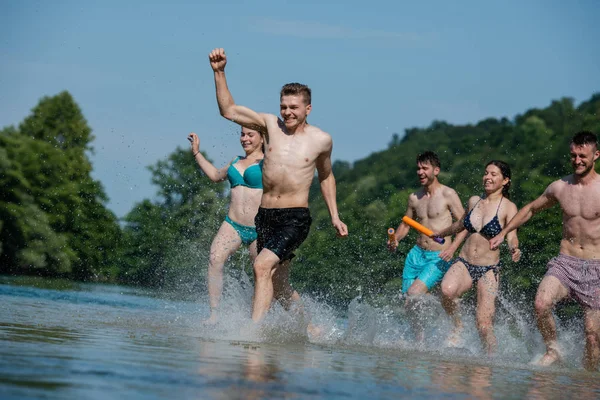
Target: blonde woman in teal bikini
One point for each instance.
(245, 176)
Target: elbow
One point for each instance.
(226, 113)
(226, 110)
(327, 178)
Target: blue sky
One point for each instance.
(139, 70)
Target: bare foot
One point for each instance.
(420, 336)
(455, 338)
(314, 331)
(212, 320)
(552, 355)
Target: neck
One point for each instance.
(494, 195)
(431, 188)
(255, 154)
(587, 178)
(298, 128)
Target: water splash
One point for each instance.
(389, 327)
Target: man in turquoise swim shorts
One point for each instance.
(435, 206)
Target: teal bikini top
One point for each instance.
(252, 177)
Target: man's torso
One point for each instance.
(433, 212)
(581, 217)
(289, 165)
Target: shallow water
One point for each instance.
(73, 341)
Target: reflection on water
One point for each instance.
(65, 340)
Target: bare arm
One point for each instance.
(458, 227)
(546, 200)
(402, 229)
(239, 114)
(511, 237)
(214, 174)
(458, 212)
(328, 188)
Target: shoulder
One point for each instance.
(510, 206)
(448, 191)
(415, 196)
(555, 187)
(473, 200)
(269, 117)
(319, 134)
(321, 138)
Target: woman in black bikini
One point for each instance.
(477, 264)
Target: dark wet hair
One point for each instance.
(585, 137)
(430, 157)
(505, 170)
(296, 89)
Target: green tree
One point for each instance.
(29, 245)
(167, 242)
(49, 153)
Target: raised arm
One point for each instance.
(328, 187)
(546, 200)
(239, 114)
(214, 174)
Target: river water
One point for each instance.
(86, 341)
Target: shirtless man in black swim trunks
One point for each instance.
(293, 149)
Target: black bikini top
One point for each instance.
(490, 229)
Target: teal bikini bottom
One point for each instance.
(247, 233)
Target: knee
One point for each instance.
(485, 326)
(591, 339)
(414, 291)
(542, 305)
(262, 270)
(216, 261)
(448, 291)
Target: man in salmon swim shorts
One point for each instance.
(575, 271)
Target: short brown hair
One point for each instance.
(585, 137)
(296, 89)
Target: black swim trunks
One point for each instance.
(282, 230)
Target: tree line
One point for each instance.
(54, 219)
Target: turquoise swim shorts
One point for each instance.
(425, 265)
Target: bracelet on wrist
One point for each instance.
(196, 153)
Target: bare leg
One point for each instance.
(288, 297)
(487, 291)
(455, 283)
(225, 243)
(282, 290)
(264, 266)
(414, 303)
(548, 294)
(592, 340)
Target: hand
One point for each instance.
(195, 142)
(516, 254)
(340, 227)
(392, 244)
(218, 60)
(496, 241)
(447, 254)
